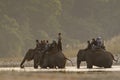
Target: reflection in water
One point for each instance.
(70, 73)
(59, 76)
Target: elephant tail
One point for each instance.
(116, 60)
(69, 60)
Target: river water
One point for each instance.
(69, 73)
(67, 69)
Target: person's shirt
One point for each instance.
(89, 46)
(59, 38)
(93, 43)
(99, 42)
(47, 45)
(37, 45)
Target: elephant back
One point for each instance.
(95, 54)
(57, 54)
(96, 51)
(102, 55)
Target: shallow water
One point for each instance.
(59, 76)
(70, 73)
(67, 69)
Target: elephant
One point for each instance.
(98, 57)
(53, 58)
(32, 54)
(50, 57)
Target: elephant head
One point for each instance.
(80, 57)
(29, 56)
(38, 55)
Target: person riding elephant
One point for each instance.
(93, 43)
(100, 43)
(89, 45)
(98, 58)
(37, 44)
(54, 58)
(51, 57)
(31, 54)
(59, 42)
(97, 43)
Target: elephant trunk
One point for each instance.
(69, 60)
(21, 65)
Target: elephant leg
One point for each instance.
(78, 64)
(44, 66)
(107, 66)
(35, 63)
(89, 65)
(51, 66)
(89, 62)
(45, 63)
(61, 67)
(21, 65)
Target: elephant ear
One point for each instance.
(30, 54)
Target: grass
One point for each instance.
(72, 51)
(113, 45)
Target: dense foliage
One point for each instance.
(23, 21)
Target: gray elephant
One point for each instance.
(98, 57)
(32, 54)
(53, 58)
(50, 57)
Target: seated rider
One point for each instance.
(89, 45)
(99, 43)
(47, 45)
(93, 43)
(37, 44)
(43, 45)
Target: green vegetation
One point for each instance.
(113, 45)
(21, 22)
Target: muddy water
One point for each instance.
(59, 76)
(70, 73)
